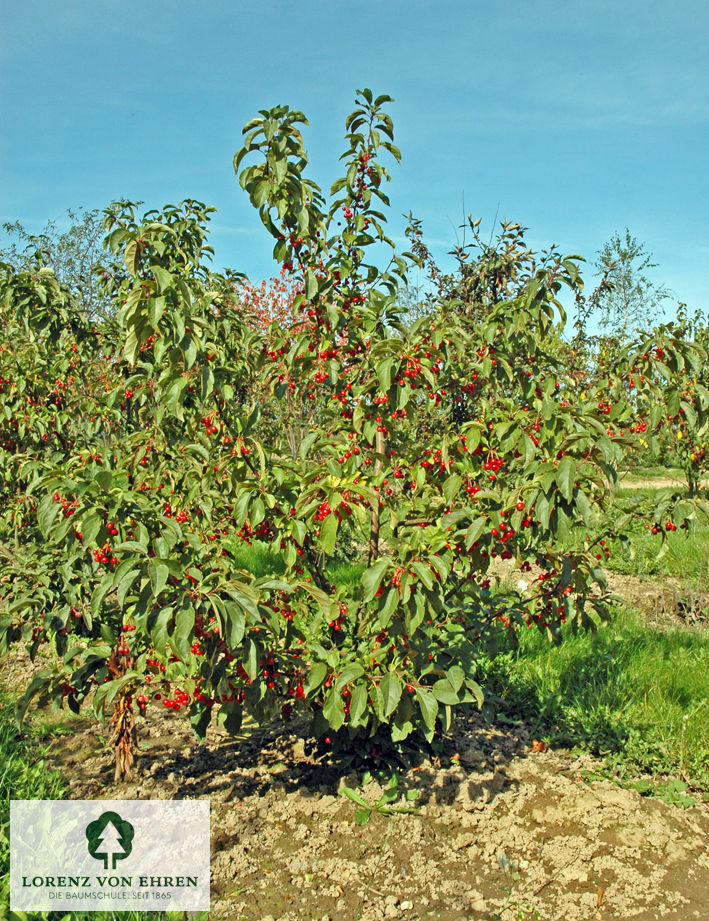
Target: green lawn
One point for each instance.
(681, 558)
(637, 696)
(259, 560)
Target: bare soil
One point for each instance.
(660, 482)
(502, 830)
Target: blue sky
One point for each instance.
(575, 118)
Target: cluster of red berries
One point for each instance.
(435, 461)
(493, 463)
(68, 507)
(656, 528)
(209, 426)
(153, 663)
(104, 555)
(181, 699)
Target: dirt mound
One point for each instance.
(502, 831)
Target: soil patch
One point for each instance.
(502, 829)
(664, 601)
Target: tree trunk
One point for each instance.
(124, 737)
(373, 550)
(123, 734)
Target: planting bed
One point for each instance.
(503, 830)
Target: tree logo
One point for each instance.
(110, 838)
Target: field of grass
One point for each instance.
(653, 471)
(260, 561)
(636, 696)
(685, 556)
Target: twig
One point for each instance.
(554, 875)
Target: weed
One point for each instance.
(384, 804)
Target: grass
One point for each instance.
(636, 696)
(24, 775)
(685, 556)
(657, 471)
(259, 560)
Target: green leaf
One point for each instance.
(132, 545)
(124, 585)
(100, 592)
(384, 369)
(118, 684)
(235, 624)
(190, 353)
(372, 578)
(451, 487)
(401, 729)
(207, 378)
(233, 714)
(90, 526)
(543, 510)
(444, 692)
(328, 533)
(158, 630)
(39, 682)
(334, 709)
(565, 477)
(317, 675)
(455, 676)
(390, 688)
(355, 796)
(184, 625)
(46, 513)
(104, 479)
(349, 673)
(474, 532)
(429, 707)
(358, 704)
(423, 571)
(200, 718)
(362, 816)
(158, 573)
(390, 604)
(164, 279)
(311, 285)
(130, 256)
(131, 346)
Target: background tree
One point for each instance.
(487, 272)
(73, 255)
(629, 300)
